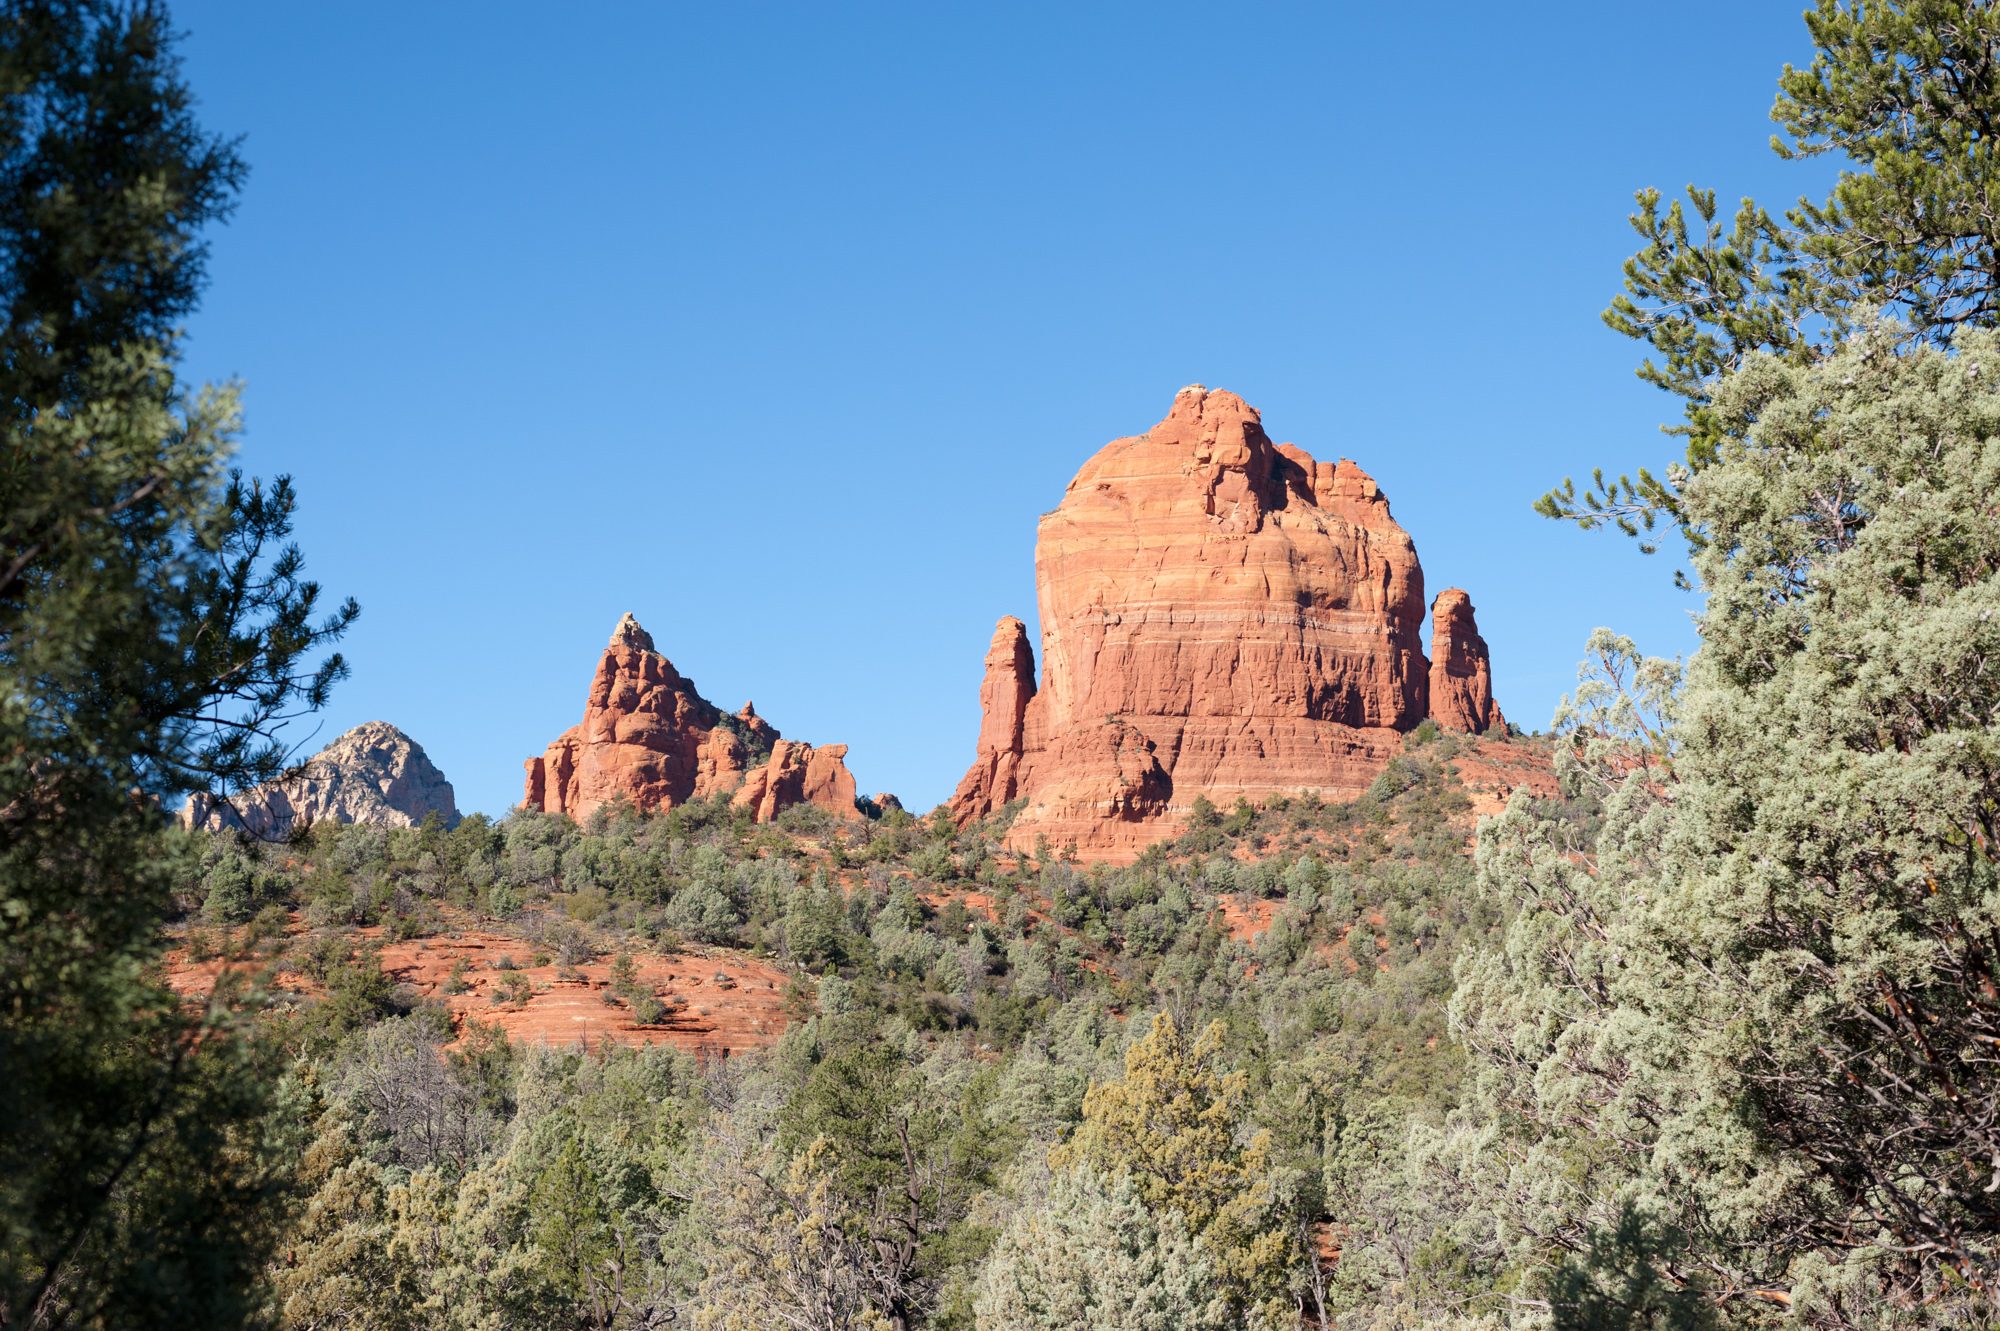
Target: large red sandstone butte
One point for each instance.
(1222, 616)
(649, 737)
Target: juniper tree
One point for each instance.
(1090, 1256)
(1173, 1124)
(1753, 1002)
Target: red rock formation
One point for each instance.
(761, 733)
(799, 774)
(1221, 616)
(649, 737)
(1461, 673)
(1004, 694)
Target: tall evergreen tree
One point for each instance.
(1173, 1125)
(155, 631)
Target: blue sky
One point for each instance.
(778, 325)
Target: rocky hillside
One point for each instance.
(1221, 616)
(374, 773)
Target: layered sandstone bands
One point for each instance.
(1221, 616)
(649, 738)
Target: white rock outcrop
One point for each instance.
(372, 774)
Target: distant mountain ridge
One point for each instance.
(374, 773)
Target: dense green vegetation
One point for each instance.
(1704, 1038)
(1767, 976)
(891, 1157)
(1907, 95)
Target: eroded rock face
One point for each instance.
(649, 737)
(1461, 672)
(373, 773)
(1221, 616)
(799, 774)
(1004, 695)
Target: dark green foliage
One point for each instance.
(155, 631)
(150, 1196)
(1907, 93)
(1619, 1285)
(106, 183)
(942, 1045)
(358, 993)
(1753, 988)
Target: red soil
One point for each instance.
(1492, 770)
(719, 1001)
(1243, 918)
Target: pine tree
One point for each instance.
(1908, 92)
(155, 631)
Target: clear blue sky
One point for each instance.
(778, 325)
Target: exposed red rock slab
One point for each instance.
(649, 737)
(197, 979)
(981, 904)
(721, 1002)
(799, 774)
(977, 903)
(1461, 672)
(1221, 616)
(1492, 770)
(1246, 918)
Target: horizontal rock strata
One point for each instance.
(1222, 616)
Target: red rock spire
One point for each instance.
(649, 737)
(1221, 616)
(1004, 693)
(1461, 672)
